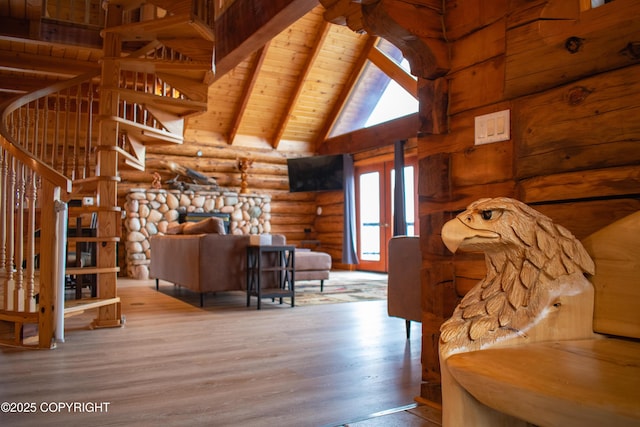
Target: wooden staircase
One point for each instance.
(74, 137)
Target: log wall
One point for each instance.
(209, 155)
(569, 78)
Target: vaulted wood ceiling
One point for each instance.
(286, 95)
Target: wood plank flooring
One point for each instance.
(176, 364)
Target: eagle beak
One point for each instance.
(455, 232)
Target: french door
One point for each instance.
(374, 210)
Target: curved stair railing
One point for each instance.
(49, 149)
(45, 143)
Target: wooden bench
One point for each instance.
(553, 375)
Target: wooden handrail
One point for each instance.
(29, 159)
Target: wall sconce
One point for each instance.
(199, 153)
(319, 210)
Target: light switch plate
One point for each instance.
(493, 127)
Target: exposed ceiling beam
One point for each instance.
(394, 71)
(374, 136)
(246, 92)
(348, 87)
(316, 49)
(248, 24)
(46, 65)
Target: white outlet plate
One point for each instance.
(493, 127)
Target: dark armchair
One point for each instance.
(404, 289)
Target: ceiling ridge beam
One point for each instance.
(311, 59)
(246, 93)
(348, 87)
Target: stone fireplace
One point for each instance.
(151, 211)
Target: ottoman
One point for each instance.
(310, 265)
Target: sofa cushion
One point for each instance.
(210, 225)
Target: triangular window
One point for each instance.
(376, 98)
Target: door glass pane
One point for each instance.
(369, 226)
(409, 206)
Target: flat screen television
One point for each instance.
(317, 173)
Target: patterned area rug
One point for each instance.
(342, 287)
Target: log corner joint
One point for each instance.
(427, 56)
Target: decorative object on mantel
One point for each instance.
(244, 164)
(535, 289)
(156, 184)
(197, 180)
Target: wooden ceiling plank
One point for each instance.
(293, 101)
(394, 71)
(248, 24)
(246, 92)
(346, 91)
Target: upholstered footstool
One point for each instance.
(312, 265)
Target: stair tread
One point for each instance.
(91, 270)
(93, 239)
(194, 68)
(88, 186)
(181, 107)
(125, 158)
(78, 210)
(148, 134)
(95, 179)
(18, 316)
(74, 306)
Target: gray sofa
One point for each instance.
(202, 262)
(199, 256)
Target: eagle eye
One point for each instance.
(486, 215)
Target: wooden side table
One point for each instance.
(279, 259)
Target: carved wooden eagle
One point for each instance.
(531, 263)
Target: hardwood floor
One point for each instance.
(176, 364)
